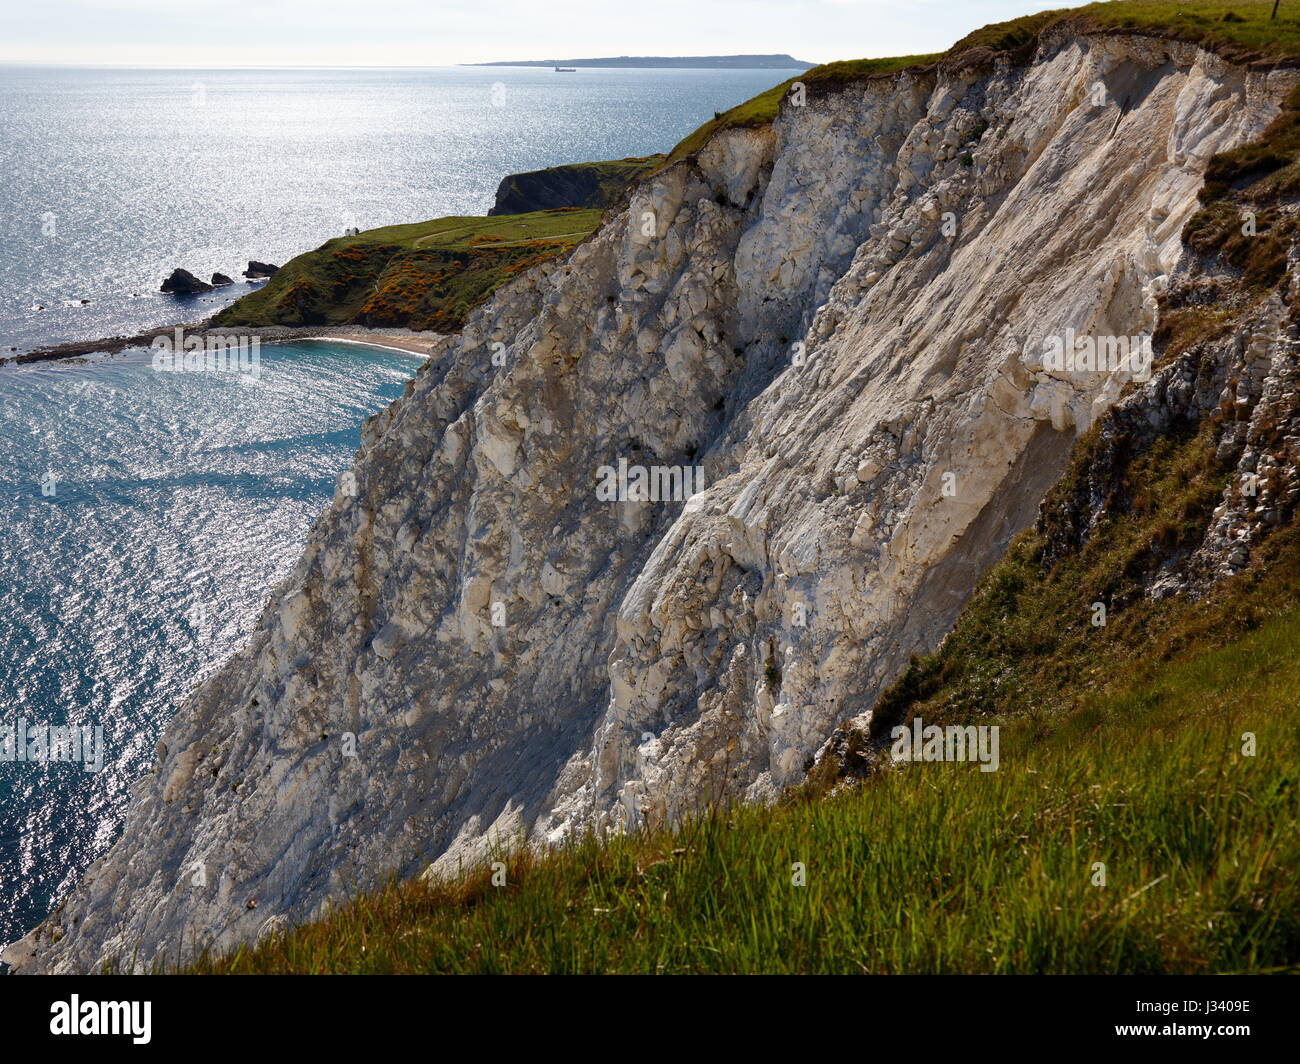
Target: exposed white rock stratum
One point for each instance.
(842, 319)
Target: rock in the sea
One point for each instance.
(258, 270)
(219, 279)
(184, 283)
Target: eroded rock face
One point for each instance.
(1245, 382)
(582, 185)
(843, 321)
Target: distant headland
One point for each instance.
(730, 62)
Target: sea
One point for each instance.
(146, 515)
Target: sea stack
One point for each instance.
(184, 283)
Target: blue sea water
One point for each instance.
(147, 515)
(179, 500)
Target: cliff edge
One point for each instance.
(823, 347)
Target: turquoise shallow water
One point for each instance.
(179, 500)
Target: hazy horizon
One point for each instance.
(58, 64)
(322, 34)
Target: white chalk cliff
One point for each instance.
(841, 317)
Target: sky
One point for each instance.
(205, 33)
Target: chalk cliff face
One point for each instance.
(842, 319)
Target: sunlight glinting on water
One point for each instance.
(179, 500)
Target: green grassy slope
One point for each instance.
(427, 275)
(926, 868)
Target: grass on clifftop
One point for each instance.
(427, 275)
(1240, 31)
(762, 109)
(926, 868)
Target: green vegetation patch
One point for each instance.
(1017, 36)
(1026, 643)
(427, 275)
(1240, 30)
(1256, 243)
(1240, 219)
(1263, 170)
